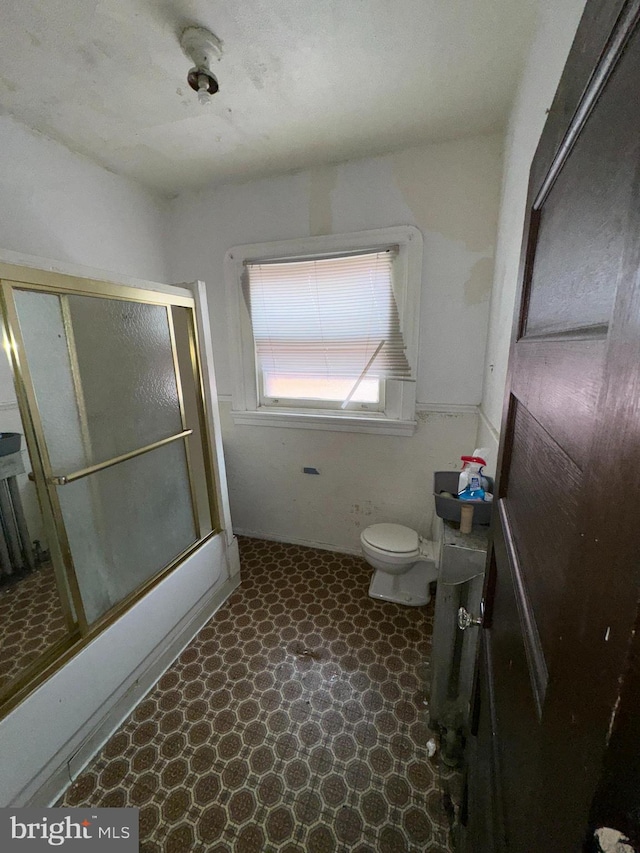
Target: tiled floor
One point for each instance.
(294, 721)
(31, 620)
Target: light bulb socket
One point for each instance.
(195, 80)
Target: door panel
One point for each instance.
(540, 500)
(587, 204)
(590, 43)
(565, 523)
(505, 555)
(515, 712)
(551, 377)
(484, 798)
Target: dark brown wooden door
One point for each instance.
(557, 679)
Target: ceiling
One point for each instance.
(302, 82)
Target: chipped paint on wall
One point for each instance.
(361, 511)
(366, 479)
(445, 190)
(425, 417)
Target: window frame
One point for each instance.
(267, 402)
(248, 407)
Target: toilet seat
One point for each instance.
(392, 539)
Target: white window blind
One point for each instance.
(327, 317)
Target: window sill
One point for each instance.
(338, 423)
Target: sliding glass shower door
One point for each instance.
(111, 382)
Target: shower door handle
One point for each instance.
(466, 620)
(64, 479)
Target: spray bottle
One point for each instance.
(470, 485)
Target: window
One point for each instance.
(326, 330)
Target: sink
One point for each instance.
(9, 443)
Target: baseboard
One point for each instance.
(64, 768)
(291, 540)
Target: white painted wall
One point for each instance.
(557, 25)
(57, 205)
(61, 206)
(87, 221)
(450, 191)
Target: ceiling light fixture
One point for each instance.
(201, 46)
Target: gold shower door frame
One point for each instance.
(47, 483)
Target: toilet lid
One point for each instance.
(391, 537)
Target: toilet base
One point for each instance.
(411, 588)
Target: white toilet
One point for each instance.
(405, 563)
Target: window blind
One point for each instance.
(327, 316)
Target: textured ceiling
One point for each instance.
(302, 82)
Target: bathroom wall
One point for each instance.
(61, 207)
(557, 24)
(83, 220)
(451, 192)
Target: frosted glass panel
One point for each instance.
(104, 377)
(45, 342)
(126, 523)
(125, 362)
(103, 374)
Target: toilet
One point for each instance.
(405, 563)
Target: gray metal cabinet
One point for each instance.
(454, 649)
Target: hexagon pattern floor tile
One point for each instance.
(295, 720)
(31, 620)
